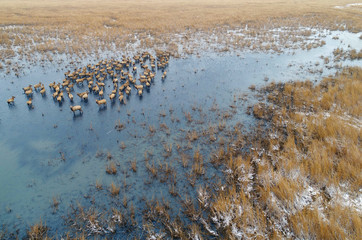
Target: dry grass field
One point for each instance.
(167, 15)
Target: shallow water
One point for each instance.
(32, 140)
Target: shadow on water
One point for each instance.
(77, 116)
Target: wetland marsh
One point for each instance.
(240, 135)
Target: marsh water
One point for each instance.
(47, 151)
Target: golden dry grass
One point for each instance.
(135, 15)
(330, 133)
(134, 165)
(38, 231)
(311, 145)
(114, 189)
(111, 168)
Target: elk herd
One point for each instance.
(120, 76)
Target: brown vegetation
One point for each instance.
(134, 165)
(54, 27)
(311, 139)
(114, 189)
(178, 12)
(37, 232)
(111, 168)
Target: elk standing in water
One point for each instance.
(121, 98)
(83, 95)
(42, 90)
(29, 92)
(55, 94)
(27, 88)
(76, 108)
(36, 86)
(102, 102)
(112, 96)
(60, 98)
(70, 96)
(29, 102)
(11, 100)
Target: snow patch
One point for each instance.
(346, 199)
(305, 198)
(348, 5)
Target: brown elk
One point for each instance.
(11, 100)
(76, 108)
(102, 102)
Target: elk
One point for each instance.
(164, 75)
(27, 88)
(60, 98)
(65, 83)
(70, 96)
(112, 96)
(83, 95)
(56, 87)
(29, 102)
(140, 91)
(102, 102)
(79, 80)
(37, 85)
(138, 87)
(100, 84)
(11, 100)
(95, 88)
(121, 98)
(101, 93)
(29, 92)
(51, 85)
(76, 108)
(55, 94)
(42, 91)
(123, 86)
